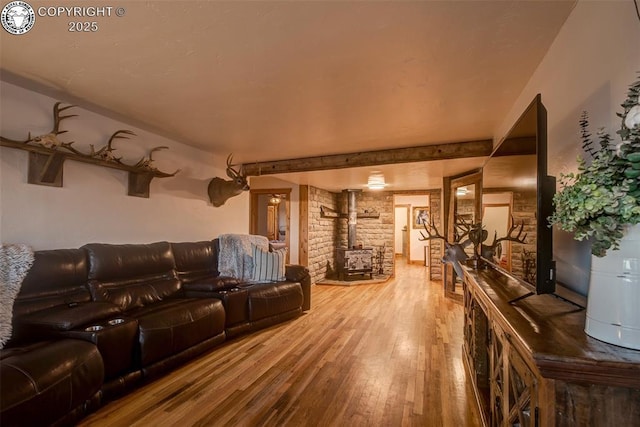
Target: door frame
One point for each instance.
(451, 185)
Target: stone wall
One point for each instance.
(524, 210)
(326, 234)
(465, 216)
(371, 232)
(323, 234)
(436, 246)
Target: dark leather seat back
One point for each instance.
(131, 276)
(195, 260)
(57, 277)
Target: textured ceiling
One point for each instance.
(276, 80)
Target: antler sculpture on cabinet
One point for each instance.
(454, 252)
(489, 251)
(220, 190)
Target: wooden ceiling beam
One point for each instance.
(424, 153)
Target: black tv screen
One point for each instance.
(517, 201)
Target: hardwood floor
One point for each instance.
(370, 355)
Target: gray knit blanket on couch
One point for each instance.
(15, 262)
(235, 258)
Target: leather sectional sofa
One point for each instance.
(89, 324)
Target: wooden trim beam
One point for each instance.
(424, 153)
(303, 240)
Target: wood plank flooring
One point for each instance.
(369, 355)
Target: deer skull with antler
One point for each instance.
(220, 190)
(50, 139)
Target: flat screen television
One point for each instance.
(516, 173)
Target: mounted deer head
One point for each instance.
(454, 252)
(489, 251)
(220, 190)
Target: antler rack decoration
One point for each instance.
(47, 154)
(488, 251)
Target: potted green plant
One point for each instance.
(601, 202)
(602, 198)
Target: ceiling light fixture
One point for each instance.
(274, 200)
(376, 181)
(461, 191)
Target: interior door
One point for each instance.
(272, 222)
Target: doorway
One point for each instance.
(270, 216)
(411, 211)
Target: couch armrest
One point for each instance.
(49, 322)
(211, 284)
(300, 274)
(296, 273)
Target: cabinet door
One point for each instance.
(522, 393)
(497, 376)
(476, 348)
(468, 301)
(514, 394)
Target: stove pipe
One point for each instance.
(353, 217)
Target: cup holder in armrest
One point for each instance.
(112, 322)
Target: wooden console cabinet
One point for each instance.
(531, 363)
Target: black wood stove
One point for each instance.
(354, 261)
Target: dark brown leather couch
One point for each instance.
(91, 323)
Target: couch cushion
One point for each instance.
(43, 382)
(57, 277)
(131, 276)
(136, 293)
(170, 326)
(111, 263)
(266, 300)
(195, 260)
(268, 266)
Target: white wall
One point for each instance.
(92, 205)
(262, 182)
(590, 65)
(400, 223)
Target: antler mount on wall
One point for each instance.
(47, 155)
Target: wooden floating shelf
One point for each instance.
(46, 167)
(369, 215)
(326, 212)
